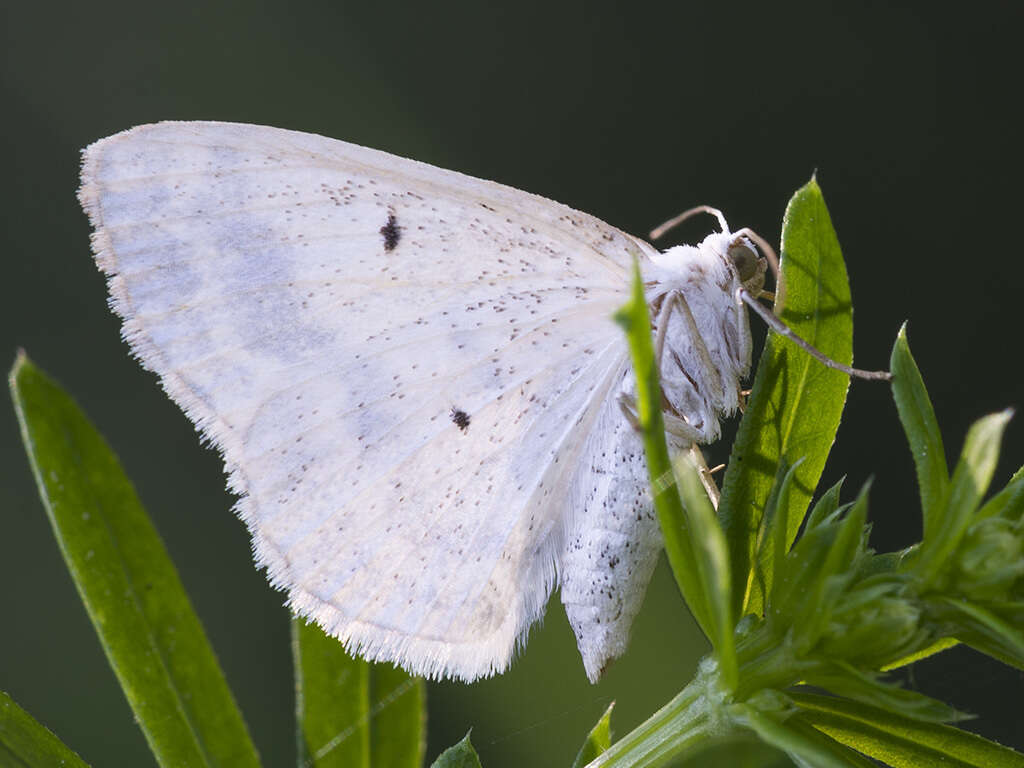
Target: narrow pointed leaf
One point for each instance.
(598, 740)
(899, 741)
(461, 755)
(711, 556)
(843, 752)
(849, 540)
(740, 751)
(816, 611)
(797, 402)
(795, 590)
(350, 713)
(1009, 502)
(922, 430)
(844, 680)
(26, 742)
(807, 744)
(982, 629)
(978, 460)
(397, 718)
(937, 647)
(130, 589)
(826, 505)
(332, 691)
(679, 538)
(970, 482)
(771, 557)
(801, 592)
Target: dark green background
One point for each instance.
(630, 112)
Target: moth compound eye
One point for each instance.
(745, 261)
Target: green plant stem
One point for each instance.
(767, 663)
(698, 715)
(690, 720)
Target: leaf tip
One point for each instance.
(20, 361)
(901, 357)
(812, 187)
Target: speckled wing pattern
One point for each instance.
(410, 373)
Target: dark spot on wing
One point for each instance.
(460, 418)
(392, 233)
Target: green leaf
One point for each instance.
(598, 740)
(981, 629)
(922, 430)
(1008, 503)
(805, 589)
(740, 750)
(848, 544)
(801, 743)
(462, 755)
(26, 742)
(129, 587)
(826, 505)
(398, 733)
(970, 482)
(937, 647)
(332, 692)
(350, 712)
(901, 741)
(774, 545)
(681, 544)
(842, 679)
(711, 554)
(978, 461)
(826, 575)
(689, 722)
(797, 402)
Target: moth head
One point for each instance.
(749, 265)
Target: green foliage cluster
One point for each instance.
(791, 616)
(802, 616)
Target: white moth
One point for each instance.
(414, 378)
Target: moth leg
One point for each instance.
(782, 329)
(628, 406)
(677, 299)
(674, 425)
(746, 342)
(710, 487)
(744, 397)
(662, 325)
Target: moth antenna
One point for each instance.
(779, 295)
(675, 222)
(783, 330)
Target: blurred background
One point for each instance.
(632, 112)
